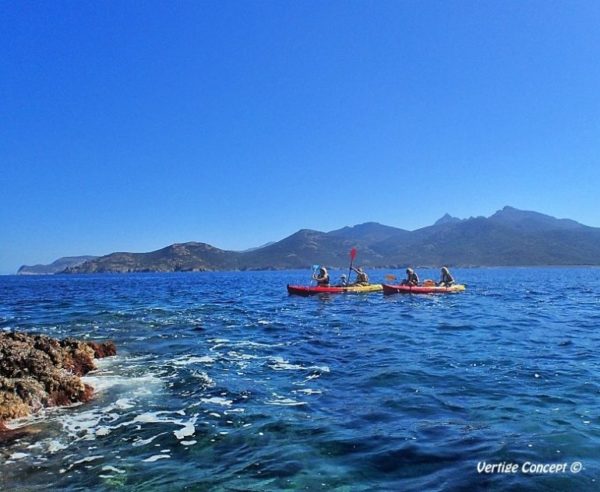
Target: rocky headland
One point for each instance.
(38, 371)
(54, 267)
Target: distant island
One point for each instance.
(55, 267)
(510, 237)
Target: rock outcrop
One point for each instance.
(37, 371)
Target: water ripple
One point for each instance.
(224, 382)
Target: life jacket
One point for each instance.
(362, 278)
(323, 277)
(447, 278)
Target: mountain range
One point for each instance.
(510, 237)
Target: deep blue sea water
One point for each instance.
(224, 382)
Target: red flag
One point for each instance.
(353, 254)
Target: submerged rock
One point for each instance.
(37, 371)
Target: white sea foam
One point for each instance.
(143, 442)
(102, 382)
(82, 425)
(187, 427)
(150, 417)
(204, 378)
(105, 362)
(240, 356)
(95, 423)
(283, 401)
(29, 420)
(18, 456)
(124, 404)
(102, 431)
(187, 360)
(283, 365)
(187, 430)
(217, 400)
(87, 459)
(248, 343)
(280, 364)
(308, 391)
(157, 457)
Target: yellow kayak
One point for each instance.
(302, 290)
(421, 289)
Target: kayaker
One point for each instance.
(447, 280)
(322, 278)
(343, 281)
(411, 278)
(361, 277)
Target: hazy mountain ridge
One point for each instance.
(54, 267)
(510, 237)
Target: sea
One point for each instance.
(224, 382)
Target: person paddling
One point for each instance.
(361, 276)
(447, 280)
(322, 278)
(411, 279)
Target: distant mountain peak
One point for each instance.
(525, 218)
(357, 227)
(367, 231)
(189, 245)
(370, 224)
(447, 219)
(306, 232)
(507, 210)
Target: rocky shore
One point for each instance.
(37, 371)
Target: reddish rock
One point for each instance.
(37, 371)
(105, 349)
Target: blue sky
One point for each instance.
(127, 126)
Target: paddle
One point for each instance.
(352, 256)
(390, 277)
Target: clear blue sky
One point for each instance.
(127, 126)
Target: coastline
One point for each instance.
(334, 268)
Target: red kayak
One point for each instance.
(302, 290)
(421, 289)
